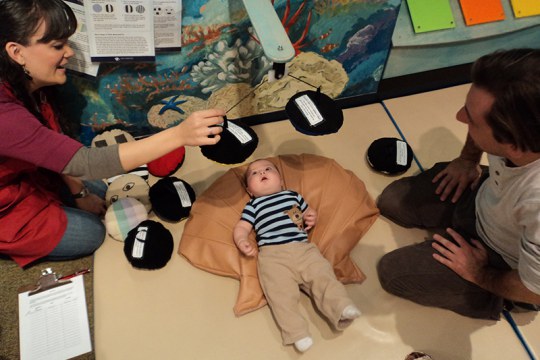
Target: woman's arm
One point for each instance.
(89, 202)
(194, 131)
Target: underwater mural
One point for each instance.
(341, 46)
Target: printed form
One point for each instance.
(53, 324)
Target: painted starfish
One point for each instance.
(172, 104)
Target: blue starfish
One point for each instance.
(172, 104)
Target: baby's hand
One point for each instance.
(310, 217)
(247, 248)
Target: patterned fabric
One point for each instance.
(123, 216)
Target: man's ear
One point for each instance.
(13, 50)
(513, 153)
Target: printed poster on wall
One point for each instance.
(340, 46)
(81, 61)
(120, 30)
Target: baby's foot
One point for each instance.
(350, 313)
(303, 344)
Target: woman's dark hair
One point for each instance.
(513, 78)
(20, 20)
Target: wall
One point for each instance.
(414, 53)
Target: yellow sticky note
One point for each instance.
(523, 8)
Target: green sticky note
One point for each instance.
(431, 15)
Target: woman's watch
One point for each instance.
(83, 193)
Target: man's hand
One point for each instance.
(468, 261)
(456, 177)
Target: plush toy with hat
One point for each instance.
(129, 185)
(149, 245)
(389, 156)
(112, 136)
(123, 215)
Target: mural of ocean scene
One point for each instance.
(341, 46)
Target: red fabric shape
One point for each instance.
(167, 164)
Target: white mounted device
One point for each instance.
(271, 34)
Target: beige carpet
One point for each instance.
(181, 312)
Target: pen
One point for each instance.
(80, 272)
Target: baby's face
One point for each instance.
(263, 178)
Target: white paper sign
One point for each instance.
(120, 30)
(168, 24)
(81, 61)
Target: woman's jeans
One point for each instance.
(85, 232)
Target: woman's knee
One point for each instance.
(98, 235)
(84, 234)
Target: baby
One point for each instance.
(287, 262)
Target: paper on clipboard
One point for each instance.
(53, 322)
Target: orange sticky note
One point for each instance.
(479, 12)
(524, 8)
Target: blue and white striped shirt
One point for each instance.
(269, 217)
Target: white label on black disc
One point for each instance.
(182, 193)
(310, 111)
(401, 153)
(239, 133)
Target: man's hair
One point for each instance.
(513, 78)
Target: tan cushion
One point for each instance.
(345, 213)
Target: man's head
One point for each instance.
(512, 78)
(263, 178)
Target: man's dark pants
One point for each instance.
(411, 272)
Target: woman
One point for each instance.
(41, 168)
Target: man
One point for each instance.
(485, 254)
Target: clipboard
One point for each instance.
(53, 318)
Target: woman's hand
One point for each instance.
(92, 203)
(200, 128)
